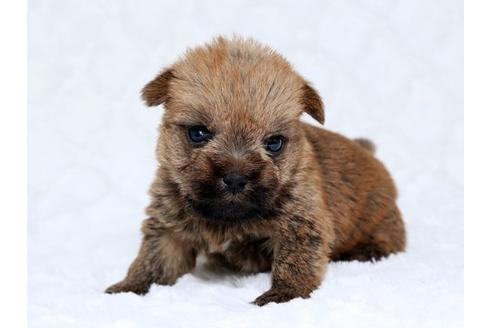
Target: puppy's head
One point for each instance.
(231, 138)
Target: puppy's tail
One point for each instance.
(366, 144)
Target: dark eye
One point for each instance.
(274, 144)
(199, 134)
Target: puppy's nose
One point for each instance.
(235, 182)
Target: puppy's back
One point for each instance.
(358, 190)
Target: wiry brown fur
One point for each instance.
(323, 198)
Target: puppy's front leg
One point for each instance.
(299, 263)
(163, 257)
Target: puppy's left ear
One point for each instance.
(313, 105)
(156, 92)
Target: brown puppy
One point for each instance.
(242, 180)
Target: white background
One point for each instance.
(388, 70)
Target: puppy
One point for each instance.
(243, 181)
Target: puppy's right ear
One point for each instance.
(156, 92)
(313, 105)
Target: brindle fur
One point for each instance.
(323, 198)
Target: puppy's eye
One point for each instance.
(274, 144)
(199, 134)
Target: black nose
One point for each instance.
(234, 182)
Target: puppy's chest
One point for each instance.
(216, 246)
(224, 243)
(212, 237)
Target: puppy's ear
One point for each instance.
(156, 92)
(313, 105)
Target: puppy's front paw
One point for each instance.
(279, 295)
(125, 287)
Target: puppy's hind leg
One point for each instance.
(388, 237)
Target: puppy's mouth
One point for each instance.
(213, 204)
(228, 211)
(211, 200)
